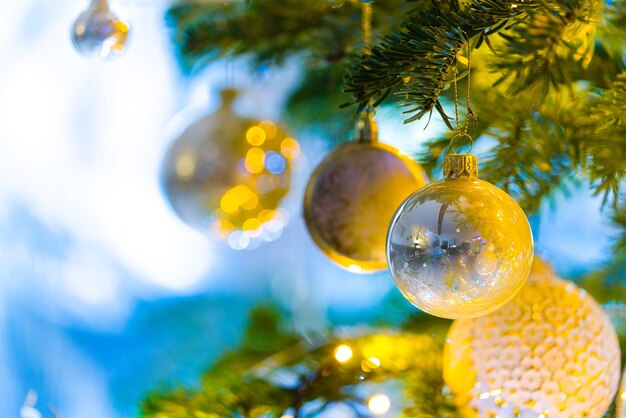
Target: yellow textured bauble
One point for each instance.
(551, 352)
(226, 175)
(352, 195)
(460, 247)
(621, 399)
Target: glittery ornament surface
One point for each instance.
(351, 197)
(551, 352)
(99, 32)
(460, 247)
(226, 175)
(621, 398)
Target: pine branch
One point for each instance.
(605, 149)
(415, 60)
(315, 104)
(620, 220)
(533, 153)
(271, 31)
(241, 385)
(541, 48)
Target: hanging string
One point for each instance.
(471, 115)
(366, 26)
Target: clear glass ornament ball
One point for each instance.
(459, 248)
(98, 32)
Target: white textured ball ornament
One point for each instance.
(460, 247)
(99, 32)
(621, 398)
(551, 352)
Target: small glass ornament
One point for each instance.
(226, 175)
(551, 352)
(460, 247)
(99, 32)
(351, 197)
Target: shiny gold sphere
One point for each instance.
(351, 197)
(226, 175)
(551, 352)
(459, 248)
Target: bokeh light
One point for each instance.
(379, 404)
(343, 353)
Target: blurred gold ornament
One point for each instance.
(460, 247)
(226, 175)
(551, 352)
(99, 32)
(351, 197)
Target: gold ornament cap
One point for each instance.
(460, 165)
(366, 128)
(228, 95)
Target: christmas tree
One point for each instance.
(547, 82)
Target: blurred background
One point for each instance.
(105, 294)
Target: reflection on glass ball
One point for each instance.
(226, 176)
(460, 247)
(551, 352)
(350, 200)
(98, 32)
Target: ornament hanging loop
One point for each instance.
(454, 164)
(471, 114)
(366, 26)
(100, 4)
(367, 129)
(459, 135)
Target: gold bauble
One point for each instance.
(352, 195)
(226, 175)
(460, 247)
(551, 352)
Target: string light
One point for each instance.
(343, 353)
(379, 404)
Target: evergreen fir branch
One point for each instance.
(516, 134)
(620, 220)
(605, 150)
(415, 60)
(271, 31)
(239, 384)
(606, 284)
(540, 48)
(612, 30)
(223, 392)
(554, 136)
(315, 105)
